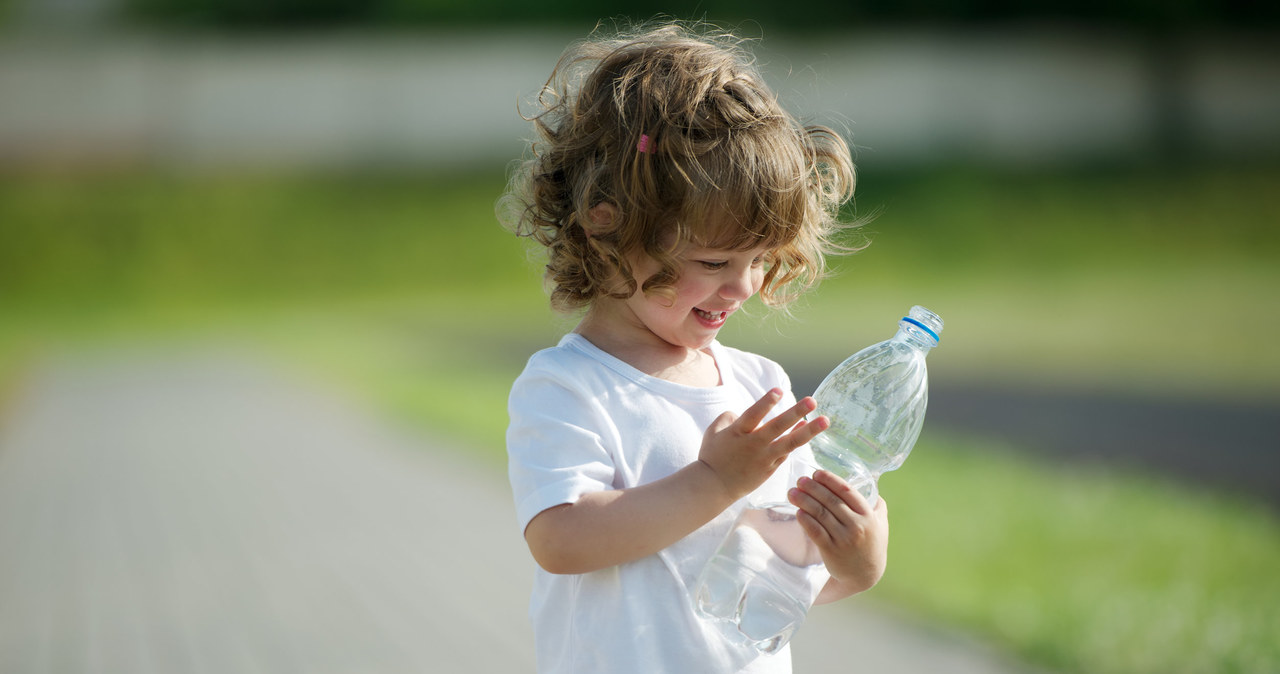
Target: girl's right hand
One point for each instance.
(743, 453)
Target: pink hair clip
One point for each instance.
(643, 145)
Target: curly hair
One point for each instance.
(681, 136)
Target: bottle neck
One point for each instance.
(916, 334)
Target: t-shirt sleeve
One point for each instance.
(556, 443)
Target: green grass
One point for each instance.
(404, 290)
(1084, 570)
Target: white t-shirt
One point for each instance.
(583, 421)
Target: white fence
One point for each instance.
(439, 98)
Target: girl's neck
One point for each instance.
(650, 355)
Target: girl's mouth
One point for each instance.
(711, 317)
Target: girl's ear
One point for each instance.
(602, 216)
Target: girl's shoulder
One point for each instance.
(572, 362)
(564, 352)
(559, 380)
(562, 359)
(753, 367)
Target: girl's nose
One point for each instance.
(740, 287)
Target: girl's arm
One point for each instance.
(606, 528)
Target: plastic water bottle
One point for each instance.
(876, 401)
(760, 583)
(758, 586)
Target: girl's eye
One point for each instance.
(713, 265)
(758, 261)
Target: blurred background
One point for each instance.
(1085, 192)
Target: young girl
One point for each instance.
(668, 188)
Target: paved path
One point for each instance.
(202, 513)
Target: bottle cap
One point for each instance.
(926, 320)
(922, 326)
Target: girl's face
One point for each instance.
(713, 284)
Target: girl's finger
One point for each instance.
(753, 415)
(722, 422)
(781, 423)
(843, 491)
(833, 507)
(804, 431)
(810, 516)
(813, 529)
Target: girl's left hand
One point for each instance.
(852, 536)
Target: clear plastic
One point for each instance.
(758, 586)
(876, 402)
(760, 583)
